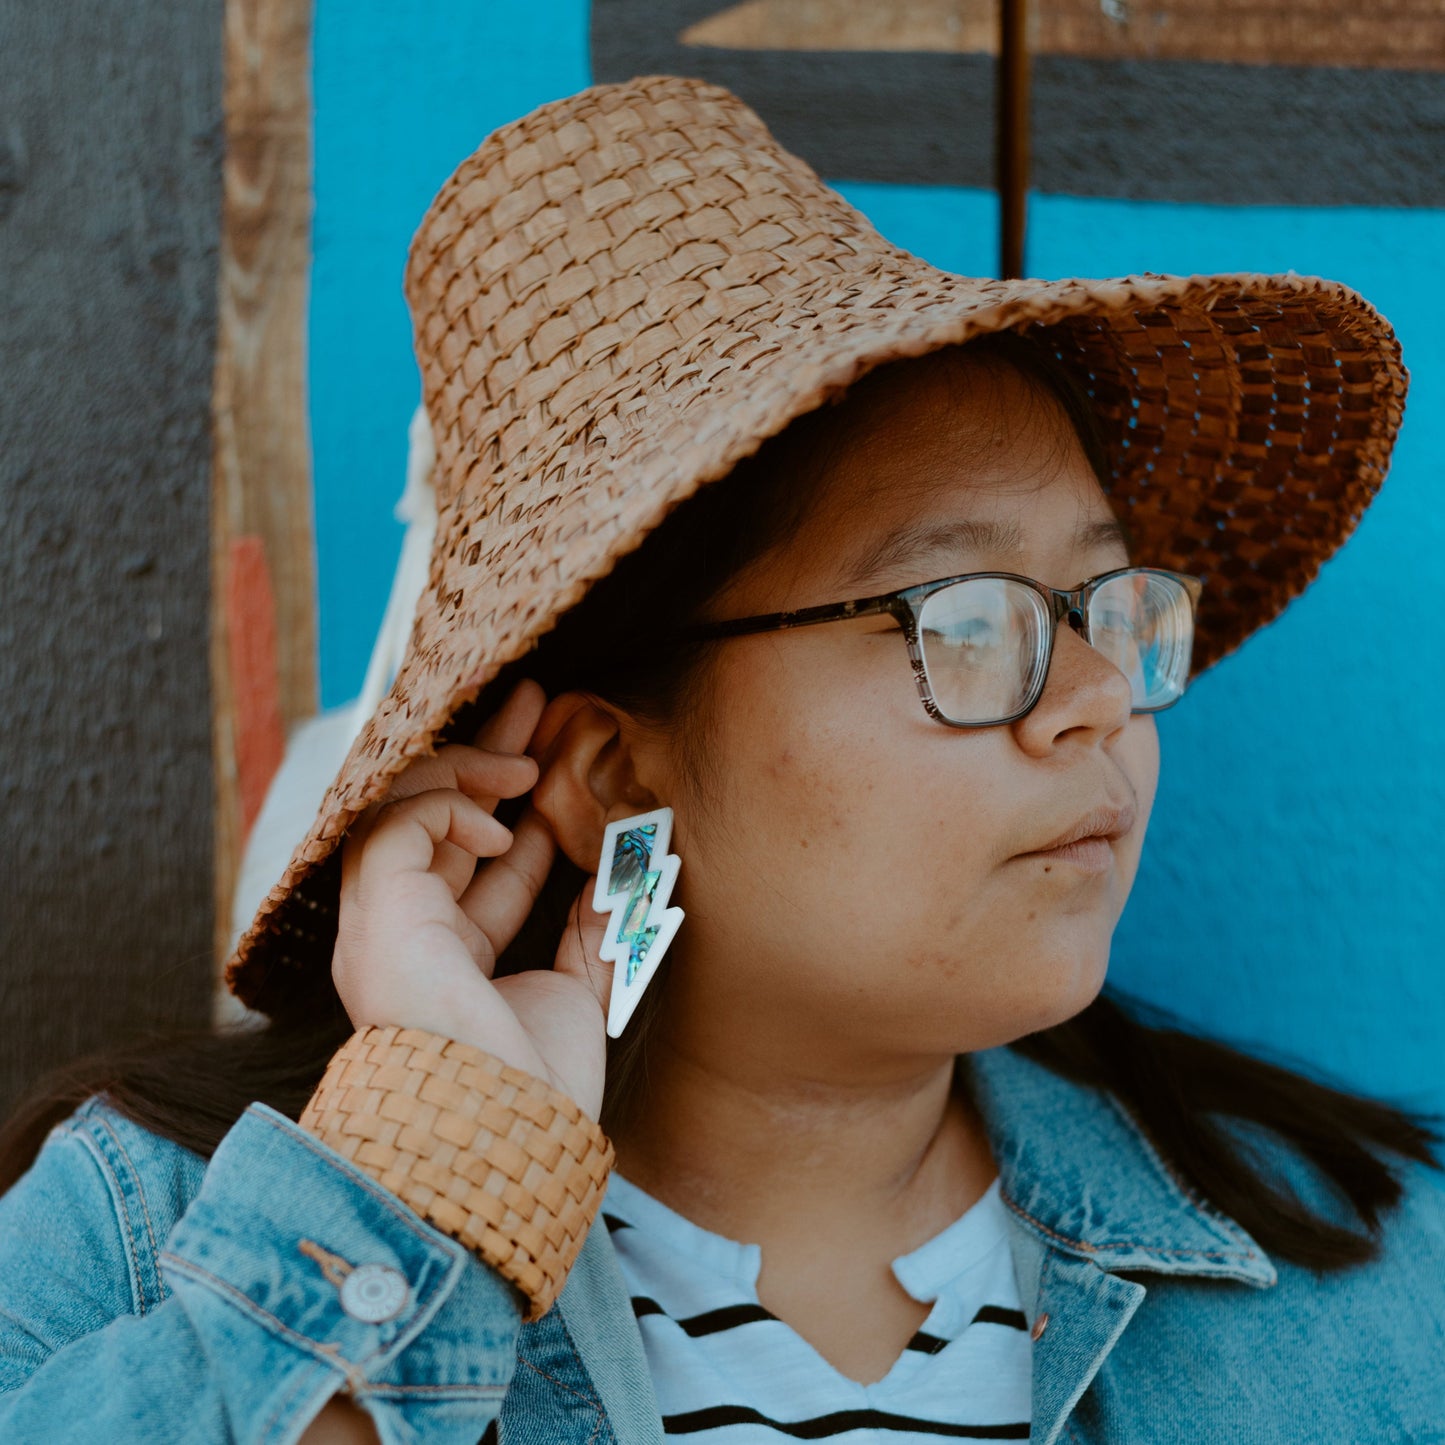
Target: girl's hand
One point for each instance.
(433, 888)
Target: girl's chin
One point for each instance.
(1066, 990)
(1035, 999)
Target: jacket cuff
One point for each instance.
(490, 1154)
(341, 1284)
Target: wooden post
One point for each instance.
(1011, 135)
(263, 615)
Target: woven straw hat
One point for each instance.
(621, 295)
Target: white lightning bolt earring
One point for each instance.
(635, 878)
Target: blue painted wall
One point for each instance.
(1292, 885)
(402, 94)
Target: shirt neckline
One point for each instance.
(924, 1271)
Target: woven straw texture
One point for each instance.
(619, 296)
(491, 1155)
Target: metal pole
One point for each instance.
(1011, 135)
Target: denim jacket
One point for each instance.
(146, 1295)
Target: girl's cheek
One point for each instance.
(1144, 762)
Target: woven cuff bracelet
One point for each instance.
(490, 1154)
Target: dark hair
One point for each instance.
(191, 1087)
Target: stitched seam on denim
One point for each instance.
(454, 1253)
(596, 1404)
(480, 1392)
(139, 1187)
(328, 1353)
(1050, 1266)
(118, 1203)
(243, 1302)
(602, 1419)
(1124, 1243)
(1046, 1268)
(1183, 1193)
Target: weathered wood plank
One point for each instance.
(1348, 131)
(1396, 34)
(262, 505)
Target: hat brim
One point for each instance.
(1248, 421)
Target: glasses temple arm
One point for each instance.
(801, 617)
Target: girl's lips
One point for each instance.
(1106, 822)
(1090, 855)
(1102, 825)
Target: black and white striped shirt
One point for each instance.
(727, 1372)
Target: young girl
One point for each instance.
(858, 1144)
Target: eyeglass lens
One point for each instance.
(984, 642)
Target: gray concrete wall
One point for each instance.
(110, 149)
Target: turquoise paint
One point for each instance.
(948, 226)
(1290, 893)
(1291, 896)
(402, 94)
(1292, 887)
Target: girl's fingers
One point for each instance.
(404, 835)
(502, 894)
(454, 865)
(510, 728)
(486, 777)
(495, 767)
(481, 775)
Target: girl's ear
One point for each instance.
(586, 777)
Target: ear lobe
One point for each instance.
(586, 775)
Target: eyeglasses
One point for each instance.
(981, 643)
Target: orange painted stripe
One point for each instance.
(260, 735)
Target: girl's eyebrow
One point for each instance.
(912, 540)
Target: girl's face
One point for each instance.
(857, 877)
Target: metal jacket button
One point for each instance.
(373, 1293)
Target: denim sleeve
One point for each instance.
(241, 1324)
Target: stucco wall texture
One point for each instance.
(1291, 889)
(109, 213)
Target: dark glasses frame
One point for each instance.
(906, 605)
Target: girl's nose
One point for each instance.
(1085, 694)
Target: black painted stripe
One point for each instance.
(718, 1417)
(710, 1322)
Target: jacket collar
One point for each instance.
(1084, 1187)
(1079, 1174)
